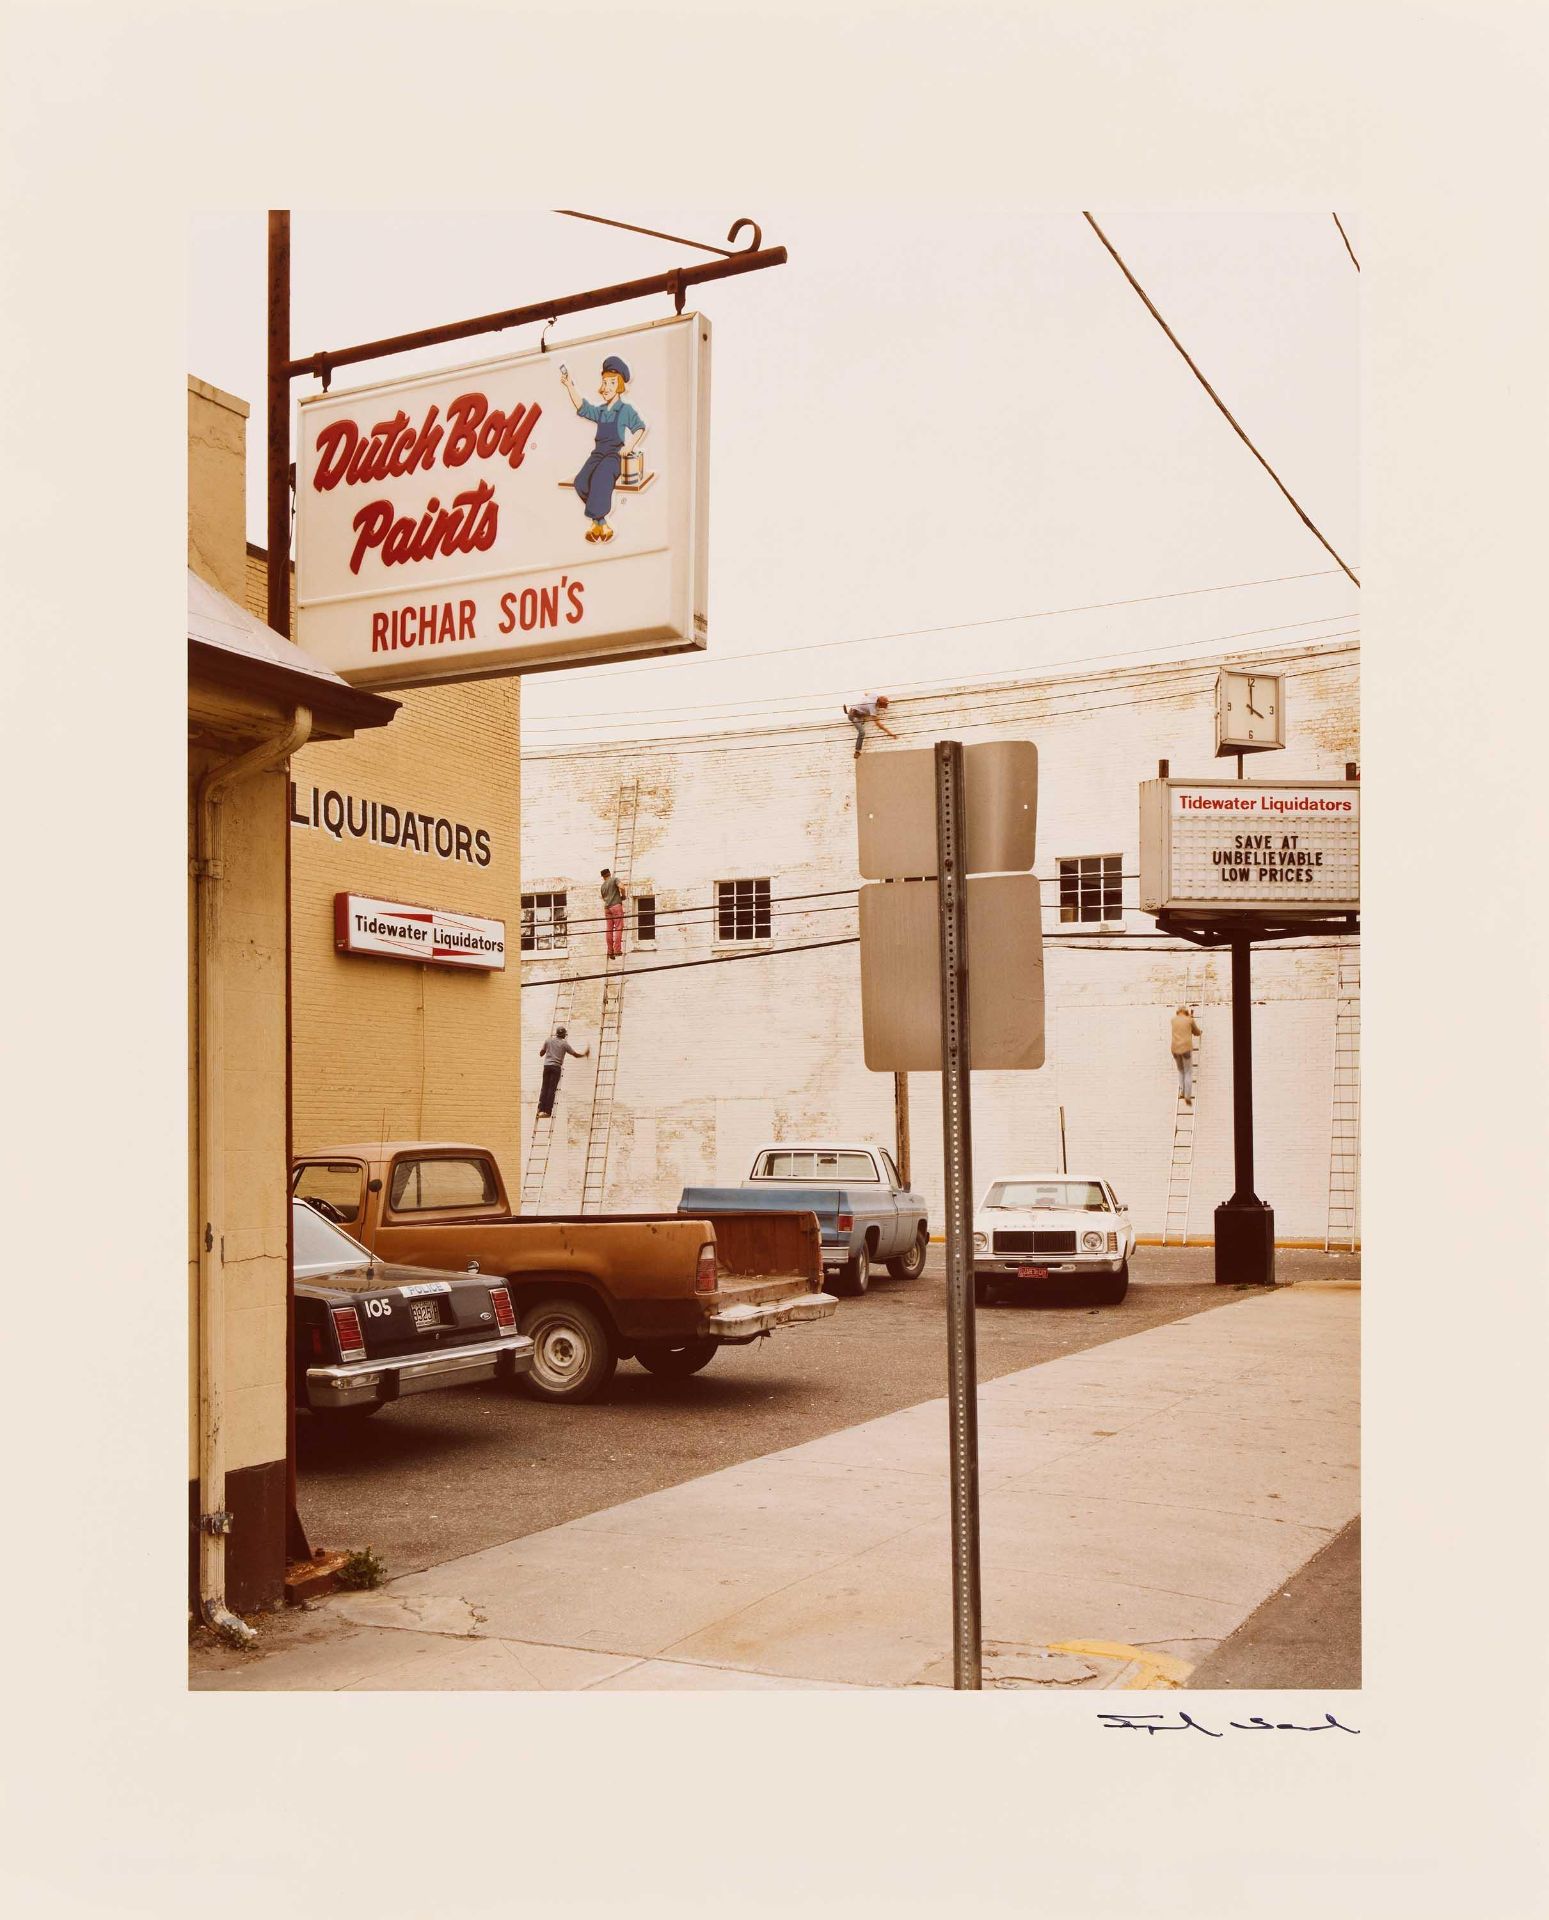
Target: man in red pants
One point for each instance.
(613, 906)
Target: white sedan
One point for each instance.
(1037, 1226)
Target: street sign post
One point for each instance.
(927, 821)
(957, 1161)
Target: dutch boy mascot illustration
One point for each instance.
(614, 418)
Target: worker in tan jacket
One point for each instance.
(1185, 1031)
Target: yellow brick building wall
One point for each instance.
(253, 817)
(385, 1046)
(217, 504)
(253, 1081)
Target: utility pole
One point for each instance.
(901, 1127)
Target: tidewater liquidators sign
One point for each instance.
(545, 510)
(392, 930)
(1278, 847)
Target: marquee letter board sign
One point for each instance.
(1280, 847)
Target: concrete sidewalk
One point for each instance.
(1138, 1501)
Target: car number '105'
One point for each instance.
(378, 1309)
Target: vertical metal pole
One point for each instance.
(277, 613)
(1064, 1163)
(957, 1157)
(901, 1126)
(1242, 1066)
(279, 424)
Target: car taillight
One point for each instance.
(505, 1313)
(352, 1342)
(707, 1278)
(846, 1223)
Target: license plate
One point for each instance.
(1032, 1273)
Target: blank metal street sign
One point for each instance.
(901, 973)
(895, 810)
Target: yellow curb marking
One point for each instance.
(1153, 1669)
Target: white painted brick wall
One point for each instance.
(714, 1059)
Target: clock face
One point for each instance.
(1248, 709)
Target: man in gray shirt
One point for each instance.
(552, 1053)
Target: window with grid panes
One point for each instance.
(543, 922)
(742, 909)
(1090, 887)
(645, 919)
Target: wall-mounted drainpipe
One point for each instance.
(214, 1520)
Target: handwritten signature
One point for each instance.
(1185, 1722)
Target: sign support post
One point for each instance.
(957, 1156)
(1242, 1068)
(1245, 1224)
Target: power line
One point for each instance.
(558, 723)
(765, 740)
(1089, 944)
(707, 914)
(1301, 513)
(1346, 238)
(965, 626)
(676, 966)
(681, 913)
(654, 744)
(697, 917)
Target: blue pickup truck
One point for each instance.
(866, 1213)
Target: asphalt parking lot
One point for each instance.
(444, 1474)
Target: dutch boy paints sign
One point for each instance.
(544, 510)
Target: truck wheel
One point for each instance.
(574, 1357)
(855, 1275)
(675, 1362)
(910, 1265)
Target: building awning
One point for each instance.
(231, 649)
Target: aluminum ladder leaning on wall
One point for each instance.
(536, 1170)
(1344, 1139)
(599, 1131)
(1180, 1169)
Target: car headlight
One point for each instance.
(981, 1242)
(1092, 1242)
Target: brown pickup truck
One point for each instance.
(664, 1289)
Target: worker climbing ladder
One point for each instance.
(1344, 1146)
(1180, 1169)
(600, 1129)
(536, 1170)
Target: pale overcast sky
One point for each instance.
(921, 422)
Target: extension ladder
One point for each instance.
(1344, 1144)
(600, 1128)
(534, 1173)
(1180, 1169)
